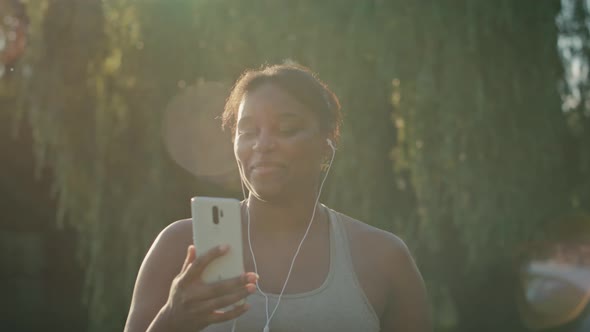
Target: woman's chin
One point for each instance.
(269, 193)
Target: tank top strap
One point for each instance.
(345, 276)
(339, 247)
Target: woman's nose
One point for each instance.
(264, 141)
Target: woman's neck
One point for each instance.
(289, 217)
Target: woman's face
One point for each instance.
(278, 144)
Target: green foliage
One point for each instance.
(574, 43)
(480, 127)
(452, 134)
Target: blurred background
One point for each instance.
(466, 132)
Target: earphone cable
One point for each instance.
(269, 318)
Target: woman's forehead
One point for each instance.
(272, 100)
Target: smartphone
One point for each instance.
(217, 221)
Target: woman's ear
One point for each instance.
(328, 154)
(331, 145)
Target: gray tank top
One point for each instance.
(339, 304)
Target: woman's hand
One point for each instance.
(193, 304)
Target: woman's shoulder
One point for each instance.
(179, 231)
(172, 242)
(381, 240)
(380, 259)
(179, 227)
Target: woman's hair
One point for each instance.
(300, 83)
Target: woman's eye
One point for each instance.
(246, 129)
(246, 132)
(288, 130)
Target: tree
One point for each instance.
(574, 46)
(482, 136)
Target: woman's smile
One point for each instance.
(267, 168)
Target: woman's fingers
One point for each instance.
(223, 287)
(190, 257)
(198, 303)
(204, 292)
(205, 300)
(222, 316)
(195, 269)
(225, 300)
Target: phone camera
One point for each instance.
(215, 215)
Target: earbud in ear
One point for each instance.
(329, 141)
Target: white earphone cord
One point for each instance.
(269, 318)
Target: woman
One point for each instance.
(317, 269)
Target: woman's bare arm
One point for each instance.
(170, 294)
(160, 265)
(408, 308)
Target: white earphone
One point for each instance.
(331, 145)
(269, 317)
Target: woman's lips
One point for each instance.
(266, 168)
